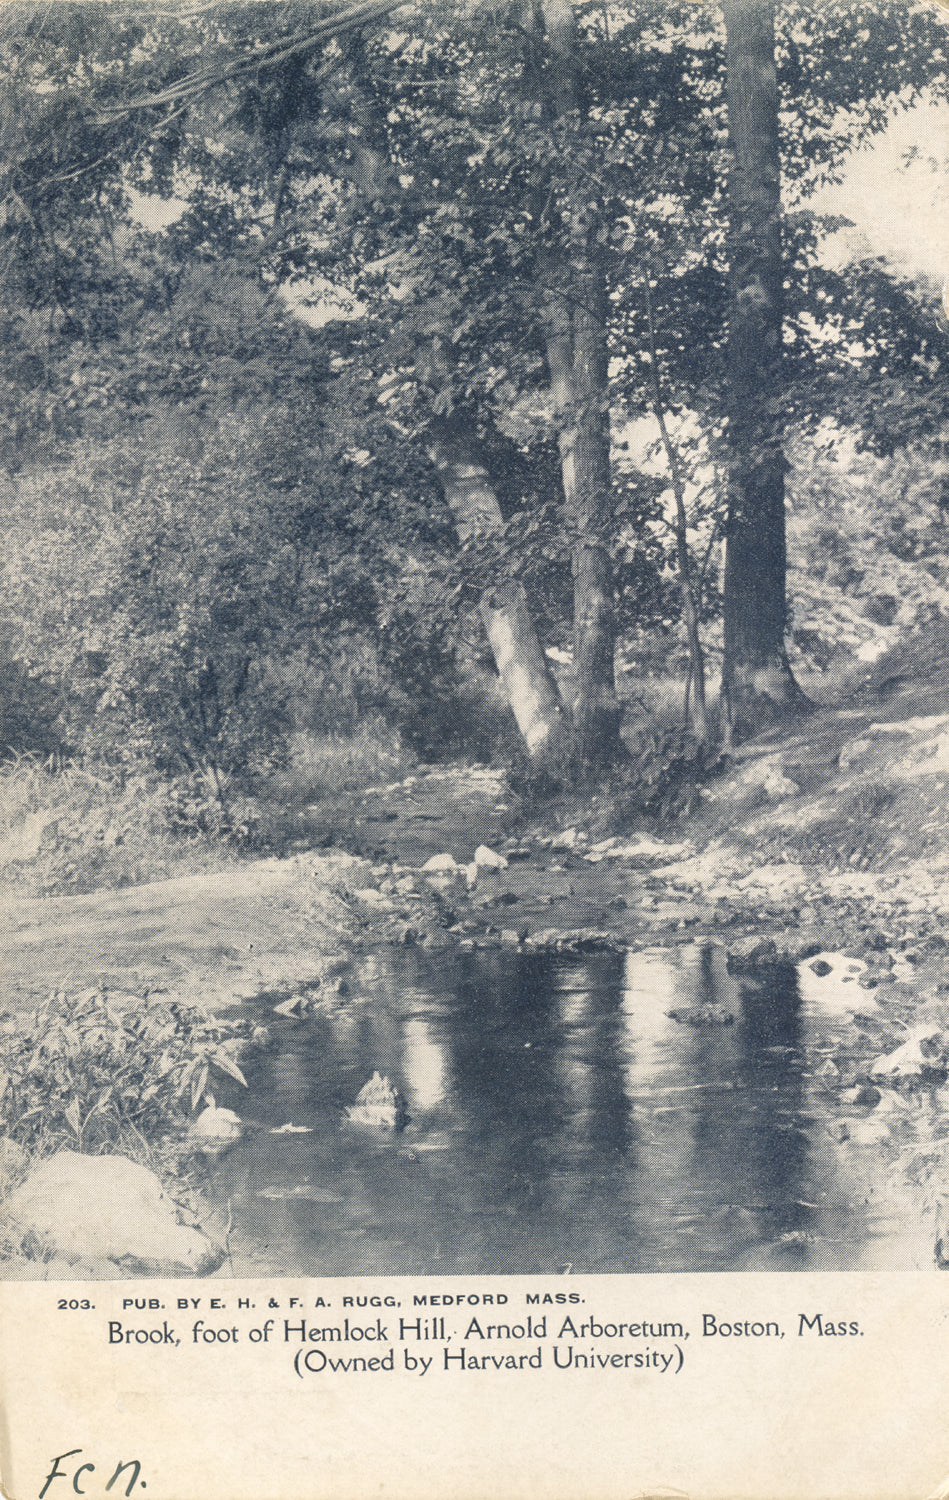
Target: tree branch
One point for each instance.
(204, 79)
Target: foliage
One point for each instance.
(868, 535)
(67, 829)
(178, 586)
(668, 769)
(97, 1072)
(122, 586)
(333, 763)
(412, 175)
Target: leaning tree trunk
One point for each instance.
(575, 330)
(522, 666)
(757, 685)
(520, 660)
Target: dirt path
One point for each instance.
(208, 939)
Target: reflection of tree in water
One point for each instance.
(536, 1075)
(716, 1167)
(749, 1146)
(558, 1115)
(502, 1054)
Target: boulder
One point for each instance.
(291, 1009)
(766, 775)
(777, 786)
(861, 1093)
(107, 1208)
(440, 864)
(751, 953)
(378, 1105)
(922, 1055)
(486, 859)
(216, 1125)
(443, 873)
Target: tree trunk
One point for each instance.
(575, 331)
(520, 660)
(690, 602)
(757, 685)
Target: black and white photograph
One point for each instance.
(474, 638)
(474, 749)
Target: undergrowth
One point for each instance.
(331, 763)
(67, 828)
(856, 836)
(664, 778)
(98, 1072)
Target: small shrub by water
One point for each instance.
(667, 770)
(99, 1072)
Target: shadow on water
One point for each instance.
(558, 1119)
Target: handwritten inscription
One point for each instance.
(127, 1474)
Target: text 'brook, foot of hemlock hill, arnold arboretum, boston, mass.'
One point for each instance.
(474, 645)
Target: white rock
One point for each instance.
(565, 840)
(92, 1207)
(922, 1052)
(644, 847)
(378, 1104)
(851, 752)
(371, 897)
(217, 1125)
(291, 1009)
(486, 859)
(868, 1132)
(828, 981)
(776, 785)
(440, 863)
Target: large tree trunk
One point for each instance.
(757, 685)
(521, 663)
(575, 329)
(577, 359)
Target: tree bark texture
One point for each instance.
(757, 685)
(575, 315)
(522, 666)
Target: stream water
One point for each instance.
(559, 1120)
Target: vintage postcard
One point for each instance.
(474, 746)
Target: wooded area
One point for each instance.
(325, 329)
(473, 637)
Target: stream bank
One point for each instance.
(818, 858)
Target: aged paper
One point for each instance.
(753, 1319)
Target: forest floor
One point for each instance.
(825, 844)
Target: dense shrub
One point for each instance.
(667, 769)
(100, 1072)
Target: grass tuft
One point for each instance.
(67, 829)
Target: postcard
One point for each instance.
(473, 698)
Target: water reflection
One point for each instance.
(559, 1117)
